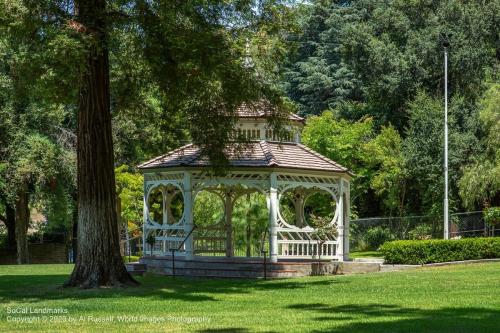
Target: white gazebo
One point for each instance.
(267, 164)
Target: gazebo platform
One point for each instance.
(248, 268)
(235, 267)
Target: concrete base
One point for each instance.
(223, 267)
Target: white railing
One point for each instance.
(302, 249)
(163, 245)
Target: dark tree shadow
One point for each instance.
(392, 318)
(35, 288)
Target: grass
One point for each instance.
(130, 258)
(460, 298)
(365, 254)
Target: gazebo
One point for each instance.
(266, 164)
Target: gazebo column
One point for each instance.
(228, 219)
(165, 208)
(145, 212)
(340, 225)
(273, 218)
(188, 215)
(347, 213)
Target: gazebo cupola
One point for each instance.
(253, 124)
(275, 167)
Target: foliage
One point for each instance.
(344, 142)
(376, 236)
(250, 217)
(377, 160)
(421, 231)
(208, 209)
(414, 252)
(491, 216)
(480, 183)
(323, 229)
(389, 180)
(371, 58)
(423, 149)
(129, 188)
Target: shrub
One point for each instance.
(414, 252)
(422, 231)
(492, 216)
(377, 236)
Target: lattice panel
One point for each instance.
(163, 176)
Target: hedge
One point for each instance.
(415, 252)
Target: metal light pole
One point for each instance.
(446, 214)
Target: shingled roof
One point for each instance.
(261, 154)
(261, 110)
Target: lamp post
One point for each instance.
(445, 213)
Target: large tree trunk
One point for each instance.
(10, 224)
(21, 226)
(98, 261)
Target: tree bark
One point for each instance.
(98, 261)
(10, 224)
(21, 225)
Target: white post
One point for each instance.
(273, 218)
(347, 213)
(145, 218)
(164, 217)
(188, 215)
(228, 217)
(446, 222)
(340, 224)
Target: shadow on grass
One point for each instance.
(34, 288)
(392, 318)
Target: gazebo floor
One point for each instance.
(233, 267)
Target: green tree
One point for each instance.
(185, 61)
(129, 189)
(389, 181)
(345, 142)
(423, 148)
(480, 183)
(381, 53)
(36, 151)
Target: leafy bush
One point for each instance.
(422, 231)
(377, 236)
(414, 252)
(492, 216)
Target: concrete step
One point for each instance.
(237, 267)
(353, 267)
(135, 268)
(370, 260)
(302, 267)
(224, 273)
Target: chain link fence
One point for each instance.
(370, 233)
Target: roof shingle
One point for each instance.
(253, 154)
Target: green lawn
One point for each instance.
(365, 254)
(462, 298)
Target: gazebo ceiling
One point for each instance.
(257, 154)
